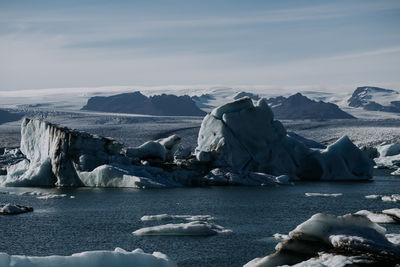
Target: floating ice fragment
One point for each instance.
(195, 228)
(165, 217)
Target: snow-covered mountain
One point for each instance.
(137, 103)
(375, 99)
(299, 107)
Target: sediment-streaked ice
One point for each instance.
(195, 228)
(100, 258)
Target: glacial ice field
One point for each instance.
(88, 219)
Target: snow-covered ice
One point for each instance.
(9, 209)
(194, 228)
(100, 258)
(323, 195)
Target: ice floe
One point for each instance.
(9, 209)
(323, 195)
(328, 240)
(100, 258)
(167, 217)
(194, 228)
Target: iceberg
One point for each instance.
(100, 258)
(228, 139)
(388, 156)
(58, 156)
(328, 240)
(194, 228)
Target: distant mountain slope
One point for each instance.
(6, 116)
(137, 103)
(375, 99)
(299, 107)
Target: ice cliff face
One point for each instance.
(55, 154)
(246, 137)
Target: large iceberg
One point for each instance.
(328, 240)
(58, 156)
(116, 258)
(245, 137)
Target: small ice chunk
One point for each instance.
(166, 217)
(376, 217)
(199, 228)
(8, 209)
(323, 195)
(52, 196)
(392, 198)
(394, 238)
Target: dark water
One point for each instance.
(104, 218)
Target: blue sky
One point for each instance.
(315, 44)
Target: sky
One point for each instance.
(321, 45)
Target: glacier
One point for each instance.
(239, 143)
